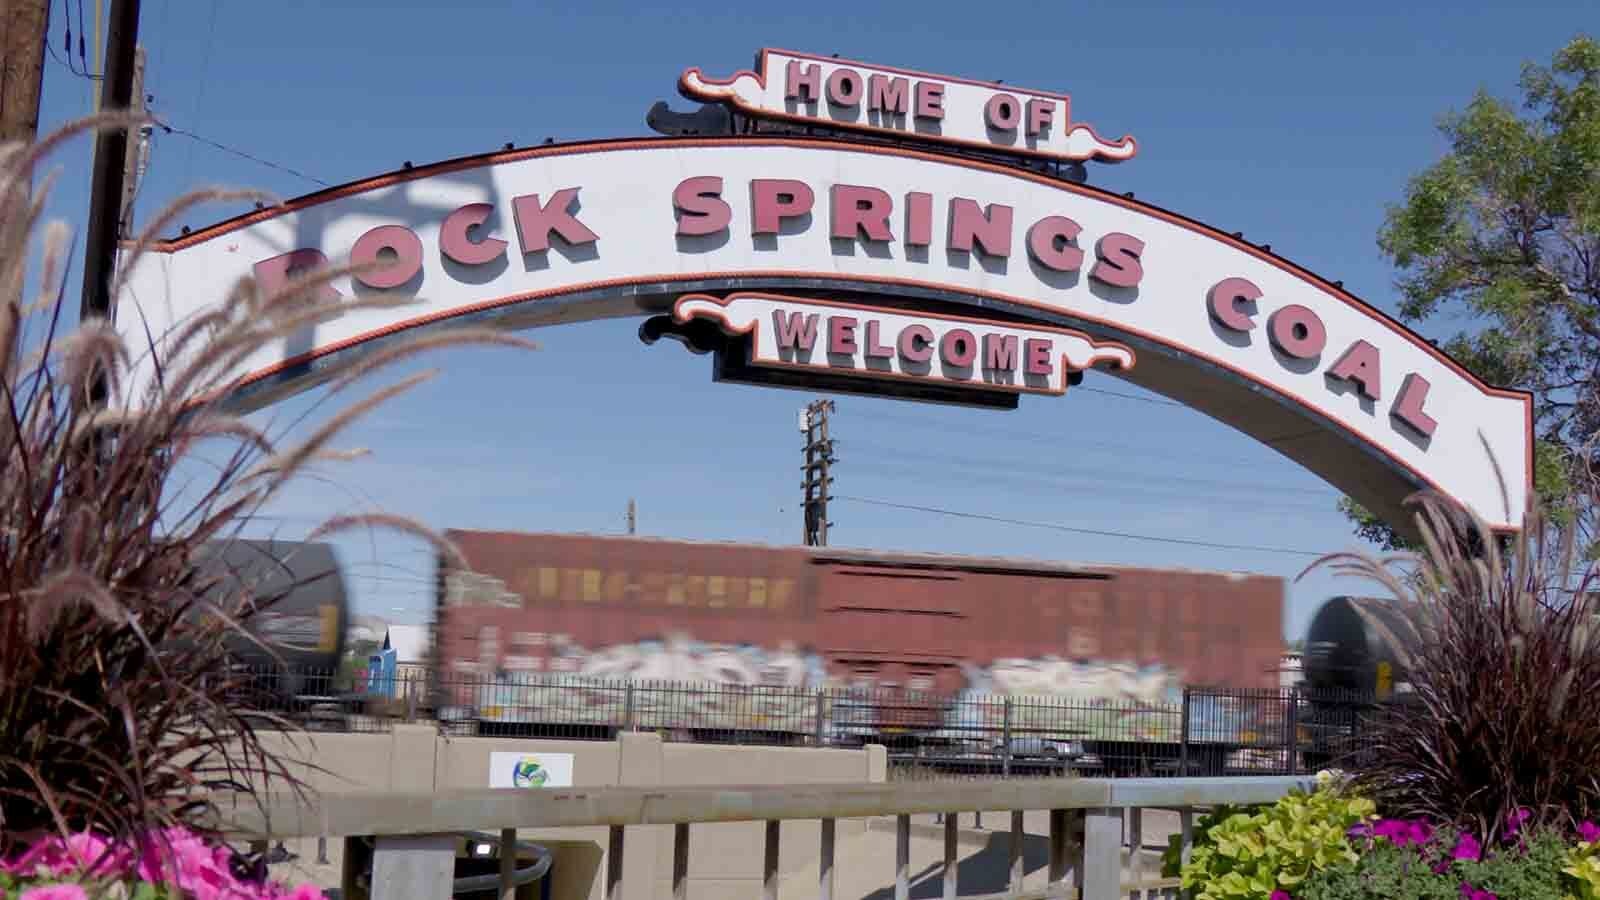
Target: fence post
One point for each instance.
(1294, 731)
(1183, 736)
(627, 706)
(1005, 738)
(821, 703)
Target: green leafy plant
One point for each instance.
(1529, 869)
(1582, 864)
(1249, 856)
(1200, 836)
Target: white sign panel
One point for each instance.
(530, 770)
(869, 342)
(529, 229)
(842, 93)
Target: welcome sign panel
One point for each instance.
(528, 226)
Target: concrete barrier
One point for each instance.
(416, 759)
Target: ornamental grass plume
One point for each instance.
(1505, 673)
(120, 713)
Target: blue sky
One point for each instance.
(1294, 123)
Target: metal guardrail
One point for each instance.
(1086, 825)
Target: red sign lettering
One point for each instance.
(1360, 365)
(796, 331)
(536, 221)
(701, 209)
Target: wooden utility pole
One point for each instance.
(26, 28)
(95, 100)
(816, 481)
(26, 24)
(132, 163)
(110, 158)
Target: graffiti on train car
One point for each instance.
(689, 684)
(1090, 679)
(685, 683)
(680, 657)
(1088, 699)
(556, 584)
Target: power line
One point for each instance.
(205, 71)
(1053, 526)
(173, 129)
(894, 455)
(1076, 441)
(82, 57)
(1125, 491)
(160, 67)
(67, 44)
(1159, 401)
(67, 63)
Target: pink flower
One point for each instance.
(55, 892)
(1467, 848)
(1588, 832)
(182, 860)
(175, 857)
(79, 853)
(1402, 832)
(1471, 893)
(1515, 820)
(1281, 895)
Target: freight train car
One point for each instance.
(300, 609)
(767, 628)
(1362, 644)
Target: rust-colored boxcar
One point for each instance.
(624, 608)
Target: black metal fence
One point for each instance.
(1211, 731)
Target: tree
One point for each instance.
(1503, 235)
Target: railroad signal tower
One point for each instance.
(816, 481)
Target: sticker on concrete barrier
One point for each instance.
(530, 770)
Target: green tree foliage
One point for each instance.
(1502, 237)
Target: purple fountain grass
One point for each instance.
(120, 713)
(1499, 734)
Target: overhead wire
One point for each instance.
(67, 44)
(169, 128)
(893, 455)
(1123, 493)
(159, 67)
(891, 459)
(1159, 401)
(1072, 529)
(82, 30)
(203, 80)
(1055, 440)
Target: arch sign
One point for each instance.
(908, 244)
